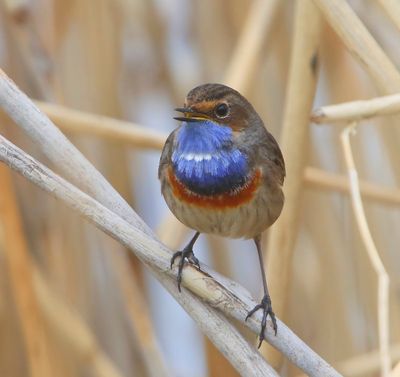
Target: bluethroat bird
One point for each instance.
(222, 173)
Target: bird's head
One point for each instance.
(219, 104)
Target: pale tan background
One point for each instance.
(135, 60)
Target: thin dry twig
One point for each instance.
(366, 50)
(220, 293)
(373, 254)
(357, 110)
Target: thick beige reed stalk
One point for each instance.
(294, 144)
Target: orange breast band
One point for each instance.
(226, 200)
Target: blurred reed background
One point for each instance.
(93, 312)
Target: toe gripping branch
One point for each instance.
(266, 306)
(185, 254)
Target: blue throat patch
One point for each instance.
(205, 159)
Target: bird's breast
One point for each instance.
(206, 161)
(211, 173)
(228, 199)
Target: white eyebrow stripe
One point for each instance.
(198, 157)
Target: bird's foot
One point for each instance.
(266, 306)
(185, 254)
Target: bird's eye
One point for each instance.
(222, 110)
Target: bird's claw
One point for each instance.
(267, 310)
(185, 254)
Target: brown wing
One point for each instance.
(263, 150)
(274, 154)
(166, 153)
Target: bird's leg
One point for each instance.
(265, 304)
(186, 253)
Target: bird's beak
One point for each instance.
(190, 115)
